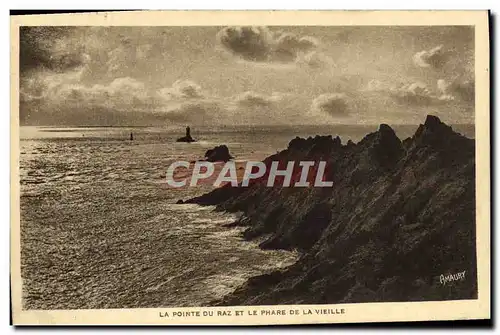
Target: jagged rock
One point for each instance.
(435, 135)
(218, 154)
(406, 142)
(432, 129)
(396, 216)
(337, 142)
(433, 122)
(387, 146)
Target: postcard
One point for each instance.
(250, 167)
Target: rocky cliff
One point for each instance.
(399, 215)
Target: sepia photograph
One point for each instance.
(263, 172)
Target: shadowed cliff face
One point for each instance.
(399, 215)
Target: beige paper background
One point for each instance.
(365, 312)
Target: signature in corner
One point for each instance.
(444, 279)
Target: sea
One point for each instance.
(100, 228)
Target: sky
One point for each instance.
(161, 76)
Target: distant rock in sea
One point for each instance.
(218, 154)
(187, 138)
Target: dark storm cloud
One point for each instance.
(251, 43)
(259, 44)
(38, 50)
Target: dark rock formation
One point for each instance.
(187, 138)
(218, 154)
(397, 217)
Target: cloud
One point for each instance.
(126, 86)
(333, 104)
(419, 94)
(124, 94)
(60, 98)
(434, 58)
(442, 85)
(126, 55)
(182, 89)
(65, 90)
(250, 43)
(376, 85)
(183, 101)
(250, 98)
(45, 48)
(463, 89)
(46, 84)
(315, 59)
(260, 44)
(198, 112)
(287, 46)
(416, 93)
